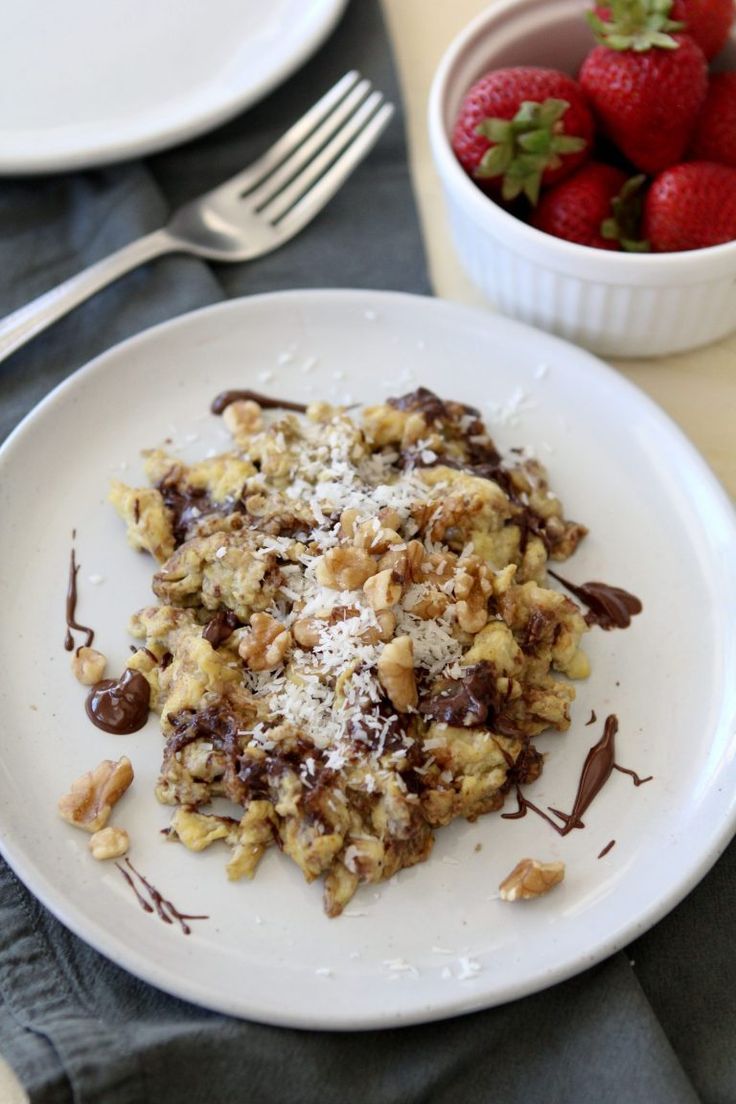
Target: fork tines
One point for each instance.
(309, 163)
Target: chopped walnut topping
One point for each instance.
(267, 643)
(109, 843)
(396, 672)
(531, 878)
(89, 802)
(243, 417)
(382, 590)
(345, 568)
(88, 665)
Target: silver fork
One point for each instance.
(249, 215)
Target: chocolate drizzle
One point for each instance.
(633, 775)
(606, 849)
(597, 768)
(119, 705)
(608, 606)
(164, 909)
(71, 608)
(220, 627)
(432, 407)
(466, 702)
(223, 400)
(524, 805)
(592, 718)
(593, 777)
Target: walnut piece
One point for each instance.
(242, 418)
(90, 800)
(531, 878)
(109, 843)
(472, 590)
(396, 673)
(267, 643)
(345, 568)
(307, 631)
(88, 665)
(374, 536)
(382, 590)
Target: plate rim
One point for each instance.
(106, 943)
(110, 152)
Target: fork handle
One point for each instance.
(22, 325)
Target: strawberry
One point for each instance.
(645, 83)
(707, 21)
(521, 129)
(691, 206)
(714, 138)
(596, 206)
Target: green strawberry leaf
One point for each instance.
(567, 143)
(523, 147)
(495, 161)
(624, 225)
(637, 25)
(495, 130)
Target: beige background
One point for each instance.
(697, 389)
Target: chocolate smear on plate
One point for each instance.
(119, 705)
(71, 608)
(164, 909)
(599, 764)
(221, 402)
(610, 607)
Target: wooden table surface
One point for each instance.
(697, 389)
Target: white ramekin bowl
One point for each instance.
(617, 304)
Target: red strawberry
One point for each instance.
(596, 206)
(707, 21)
(519, 129)
(714, 138)
(691, 206)
(645, 84)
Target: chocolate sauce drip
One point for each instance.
(592, 718)
(164, 909)
(223, 400)
(466, 702)
(608, 606)
(593, 777)
(606, 849)
(71, 608)
(529, 524)
(524, 805)
(633, 775)
(536, 627)
(216, 724)
(220, 628)
(119, 705)
(187, 507)
(432, 407)
(394, 730)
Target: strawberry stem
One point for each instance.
(523, 147)
(637, 25)
(624, 225)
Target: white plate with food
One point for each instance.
(85, 84)
(351, 716)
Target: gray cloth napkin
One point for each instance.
(656, 1024)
